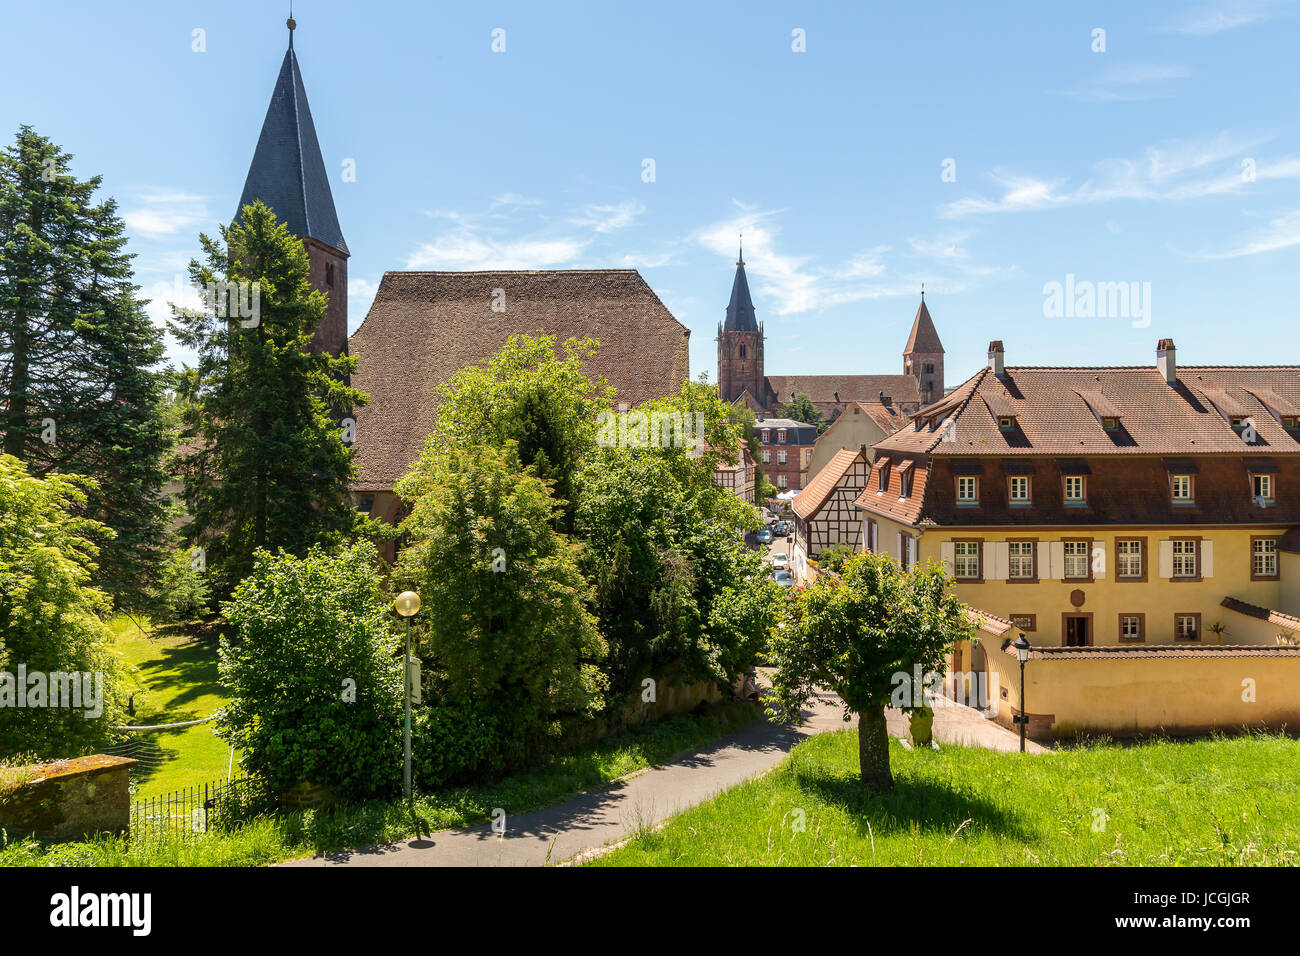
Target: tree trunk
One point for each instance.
(873, 750)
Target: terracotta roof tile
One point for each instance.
(424, 326)
(849, 388)
(809, 501)
(1287, 621)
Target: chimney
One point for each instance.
(997, 358)
(1165, 363)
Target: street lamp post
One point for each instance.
(1022, 654)
(407, 603)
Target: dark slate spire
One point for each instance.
(740, 310)
(288, 172)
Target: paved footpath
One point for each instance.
(645, 799)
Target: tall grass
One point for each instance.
(1224, 801)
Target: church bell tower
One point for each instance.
(740, 343)
(289, 175)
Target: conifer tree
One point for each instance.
(264, 459)
(80, 387)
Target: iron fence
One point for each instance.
(191, 812)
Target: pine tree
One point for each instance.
(264, 459)
(80, 391)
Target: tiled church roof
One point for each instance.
(424, 326)
(849, 388)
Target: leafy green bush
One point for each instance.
(503, 616)
(50, 616)
(314, 674)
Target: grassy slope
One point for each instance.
(174, 680)
(1222, 801)
(269, 840)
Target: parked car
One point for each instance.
(784, 578)
(780, 561)
(765, 536)
(787, 529)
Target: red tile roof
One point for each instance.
(1051, 407)
(809, 501)
(1287, 621)
(1110, 652)
(849, 388)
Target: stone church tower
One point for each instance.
(923, 356)
(740, 344)
(288, 174)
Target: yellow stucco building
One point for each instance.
(1137, 525)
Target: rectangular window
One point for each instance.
(780, 480)
(780, 457)
(883, 483)
(1181, 486)
(1025, 622)
(1132, 627)
(780, 436)
(1185, 557)
(1187, 627)
(767, 437)
(1007, 423)
(1074, 490)
(1020, 560)
(1018, 489)
(1078, 563)
(1128, 558)
(966, 560)
(905, 484)
(1261, 486)
(967, 490)
(1263, 559)
(767, 457)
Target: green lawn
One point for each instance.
(174, 679)
(1226, 801)
(273, 838)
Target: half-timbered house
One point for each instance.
(825, 514)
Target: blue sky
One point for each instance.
(1172, 158)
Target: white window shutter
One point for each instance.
(1166, 559)
(1207, 559)
(902, 548)
(995, 561)
(947, 553)
(1057, 550)
(1099, 559)
(1003, 553)
(911, 551)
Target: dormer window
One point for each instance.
(905, 484)
(1181, 489)
(767, 437)
(1290, 422)
(1007, 423)
(780, 436)
(1075, 490)
(1018, 489)
(968, 490)
(1110, 423)
(882, 471)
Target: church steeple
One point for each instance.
(740, 344)
(923, 355)
(288, 174)
(740, 310)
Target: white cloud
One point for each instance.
(1168, 173)
(1227, 15)
(165, 213)
(610, 217)
(466, 252)
(1130, 83)
(1282, 233)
